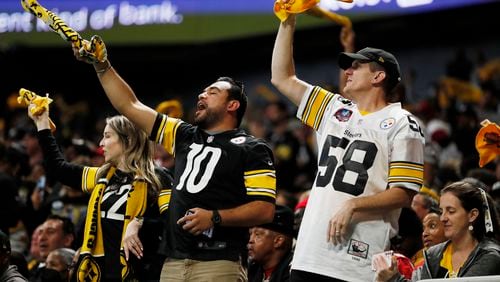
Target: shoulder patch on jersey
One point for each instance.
(343, 115)
(387, 123)
(344, 101)
(239, 140)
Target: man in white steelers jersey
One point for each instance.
(370, 162)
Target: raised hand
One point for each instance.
(385, 272)
(38, 108)
(347, 37)
(283, 8)
(91, 52)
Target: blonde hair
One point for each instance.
(138, 152)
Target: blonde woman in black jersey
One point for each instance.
(124, 189)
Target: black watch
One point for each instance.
(216, 219)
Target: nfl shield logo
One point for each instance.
(343, 115)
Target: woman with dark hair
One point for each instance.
(125, 189)
(471, 227)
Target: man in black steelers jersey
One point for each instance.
(224, 178)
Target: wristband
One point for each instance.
(105, 69)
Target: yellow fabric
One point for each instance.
(164, 199)
(315, 107)
(89, 178)
(329, 15)
(488, 142)
(261, 182)
(446, 262)
(171, 108)
(32, 264)
(490, 70)
(418, 258)
(462, 90)
(406, 172)
(27, 97)
(283, 10)
(363, 113)
(53, 21)
(93, 243)
(430, 192)
(446, 259)
(167, 132)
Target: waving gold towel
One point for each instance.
(41, 103)
(488, 142)
(284, 8)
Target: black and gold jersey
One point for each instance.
(107, 263)
(212, 171)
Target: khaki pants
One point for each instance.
(203, 271)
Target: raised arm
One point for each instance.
(119, 93)
(347, 37)
(282, 66)
(55, 165)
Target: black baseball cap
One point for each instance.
(383, 58)
(282, 221)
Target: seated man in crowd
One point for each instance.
(59, 263)
(56, 232)
(270, 248)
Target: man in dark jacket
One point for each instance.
(8, 272)
(270, 248)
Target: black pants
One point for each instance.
(304, 276)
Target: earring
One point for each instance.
(471, 227)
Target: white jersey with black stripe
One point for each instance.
(358, 155)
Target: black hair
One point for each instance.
(471, 198)
(14, 155)
(236, 92)
(68, 227)
(435, 210)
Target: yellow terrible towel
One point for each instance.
(488, 142)
(283, 8)
(41, 103)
